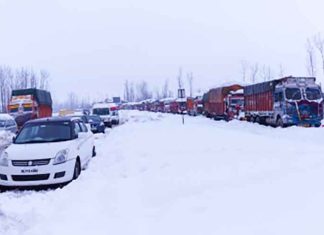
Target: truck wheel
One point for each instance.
(280, 122)
(258, 119)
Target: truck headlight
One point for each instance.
(61, 157)
(4, 159)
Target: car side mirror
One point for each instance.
(76, 135)
(14, 139)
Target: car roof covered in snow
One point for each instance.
(54, 119)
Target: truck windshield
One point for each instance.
(44, 133)
(235, 102)
(313, 94)
(101, 111)
(293, 93)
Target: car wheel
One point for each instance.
(94, 153)
(77, 169)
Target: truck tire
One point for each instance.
(280, 123)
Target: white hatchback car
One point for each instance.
(47, 151)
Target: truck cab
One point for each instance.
(234, 103)
(298, 102)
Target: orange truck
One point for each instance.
(192, 106)
(224, 102)
(27, 104)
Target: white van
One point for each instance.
(108, 112)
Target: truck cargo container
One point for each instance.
(224, 102)
(285, 102)
(27, 104)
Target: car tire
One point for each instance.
(94, 153)
(77, 169)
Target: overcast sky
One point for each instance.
(92, 47)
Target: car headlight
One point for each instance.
(4, 159)
(61, 157)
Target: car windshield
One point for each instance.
(293, 93)
(101, 111)
(94, 118)
(313, 94)
(44, 132)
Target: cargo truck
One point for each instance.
(285, 102)
(27, 104)
(224, 103)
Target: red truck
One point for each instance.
(284, 102)
(224, 102)
(27, 104)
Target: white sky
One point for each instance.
(92, 47)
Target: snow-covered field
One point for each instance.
(154, 176)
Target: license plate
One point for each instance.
(29, 171)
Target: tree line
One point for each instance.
(138, 91)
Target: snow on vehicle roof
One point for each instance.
(167, 99)
(103, 105)
(5, 116)
(230, 83)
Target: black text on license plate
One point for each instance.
(29, 171)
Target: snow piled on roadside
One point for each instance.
(154, 175)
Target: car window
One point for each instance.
(83, 127)
(77, 128)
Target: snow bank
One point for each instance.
(154, 175)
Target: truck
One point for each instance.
(194, 105)
(27, 104)
(285, 102)
(224, 103)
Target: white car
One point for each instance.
(47, 151)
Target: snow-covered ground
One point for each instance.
(154, 176)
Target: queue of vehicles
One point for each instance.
(66, 139)
(281, 102)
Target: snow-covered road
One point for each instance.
(155, 176)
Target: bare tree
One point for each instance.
(190, 82)
(33, 79)
(132, 92)
(311, 60)
(281, 72)
(266, 73)
(72, 101)
(165, 89)
(254, 72)
(44, 80)
(319, 44)
(143, 92)
(126, 91)
(244, 69)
